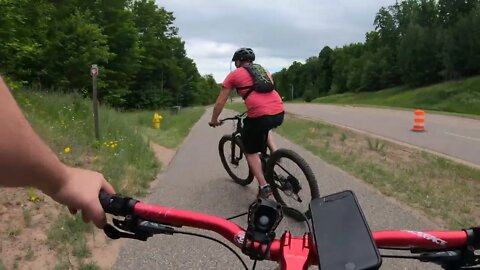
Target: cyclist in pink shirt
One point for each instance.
(265, 110)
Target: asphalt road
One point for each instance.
(457, 137)
(196, 180)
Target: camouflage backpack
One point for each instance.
(261, 81)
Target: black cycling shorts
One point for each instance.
(255, 131)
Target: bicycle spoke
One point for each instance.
(235, 161)
(286, 171)
(290, 180)
(297, 197)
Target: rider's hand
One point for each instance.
(215, 123)
(79, 191)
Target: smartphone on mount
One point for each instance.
(342, 235)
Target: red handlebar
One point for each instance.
(297, 252)
(420, 240)
(176, 217)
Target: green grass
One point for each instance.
(68, 232)
(27, 217)
(65, 121)
(16, 263)
(122, 153)
(90, 266)
(63, 265)
(13, 231)
(443, 189)
(173, 127)
(29, 253)
(461, 96)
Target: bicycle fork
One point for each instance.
(234, 160)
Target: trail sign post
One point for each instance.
(94, 74)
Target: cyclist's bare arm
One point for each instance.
(219, 104)
(25, 160)
(21, 148)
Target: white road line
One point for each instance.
(462, 136)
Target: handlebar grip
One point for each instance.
(116, 204)
(105, 199)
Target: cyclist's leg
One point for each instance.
(271, 143)
(256, 167)
(253, 141)
(274, 121)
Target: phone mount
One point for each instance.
(264, 215)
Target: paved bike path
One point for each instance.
(196, 180)
(453, 136)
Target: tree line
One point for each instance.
(414, 43)
(51, 44)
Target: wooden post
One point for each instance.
(291, 88)
(94, 73)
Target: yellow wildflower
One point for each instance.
(67, 150)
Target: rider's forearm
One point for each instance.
(217, 110)
(220, 103)
(25, 160)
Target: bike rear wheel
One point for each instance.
(293, 183)
(234, 160)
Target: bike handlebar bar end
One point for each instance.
(116, 204)
(104, 198)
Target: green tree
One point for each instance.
(450, 11)
(461, 43)
(116, 19)
(75, 44)
(24, 30)
(418, 54)
(325, 73)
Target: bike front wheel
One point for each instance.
(234, 160)
(293, 183)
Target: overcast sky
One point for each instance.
(279, 31)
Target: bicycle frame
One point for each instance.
(235, 134)
(290, 252)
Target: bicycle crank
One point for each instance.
(290, 186)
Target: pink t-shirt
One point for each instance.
(258, 104)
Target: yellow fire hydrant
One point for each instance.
(157, 118)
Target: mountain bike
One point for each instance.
(452, 250)
(292, 180)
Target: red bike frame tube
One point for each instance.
(178, 217)
(296, 252)
(423, 240)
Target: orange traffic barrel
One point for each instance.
(419, 121)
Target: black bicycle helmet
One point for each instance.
(244, 54)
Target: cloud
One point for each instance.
(279, 31)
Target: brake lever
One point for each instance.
(135, 228)
(114, 233)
